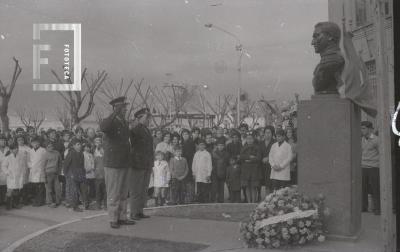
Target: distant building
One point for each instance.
(359, 18)
(186, 119)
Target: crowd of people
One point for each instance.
(34, 167)
(120, 165)
(192, 165)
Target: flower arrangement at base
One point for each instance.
(285, 218)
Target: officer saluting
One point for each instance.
(116, 162)
(143, 161)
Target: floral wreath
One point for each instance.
(285, 218)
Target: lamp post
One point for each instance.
(239, 48)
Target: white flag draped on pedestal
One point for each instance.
(357, 87)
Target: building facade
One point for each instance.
(358, 16)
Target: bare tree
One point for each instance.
(220, 108)
(31, 117)
(76, 102)
(268, 110)
(5, 95)
(169, 104)
(64, 117)
(203, 107)
(247, 110)
(99, 115)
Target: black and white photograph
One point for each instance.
(199, 125)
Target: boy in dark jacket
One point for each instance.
(52, 169)
(234, 147)
(233, 180)
(74, 168)
(220, 159)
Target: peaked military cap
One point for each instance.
(119, 101)
(141, 112)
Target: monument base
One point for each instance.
(353, 238)
(329, 160)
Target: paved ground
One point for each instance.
(206, 234)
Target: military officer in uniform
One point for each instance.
(116, 162)
(142, 163)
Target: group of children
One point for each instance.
(195, 166)
(52, 170)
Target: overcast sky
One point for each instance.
(165, 40)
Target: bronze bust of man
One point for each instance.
(327, 74)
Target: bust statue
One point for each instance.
(327, 74)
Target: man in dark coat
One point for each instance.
(116, 162)
(142, 163)
(220, 159)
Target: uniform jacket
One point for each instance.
(115, 142)
(36, 164)
(220, 162)
(142, 147)
(15, 166)
(74, 166)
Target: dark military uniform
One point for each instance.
(142, 163)
(116, 165)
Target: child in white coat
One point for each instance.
(160, 177)
(202, 167)
(37, 175)
(14, 166)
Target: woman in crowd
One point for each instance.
(158, 137)
(265, 148)
(292, 140)
(176, 140)
(280, 157)
(188, 151)
(165, 146)
(250, 157)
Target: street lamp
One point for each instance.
(239, 48)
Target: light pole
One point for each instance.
(239, 48)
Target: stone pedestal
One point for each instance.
(329, 160)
